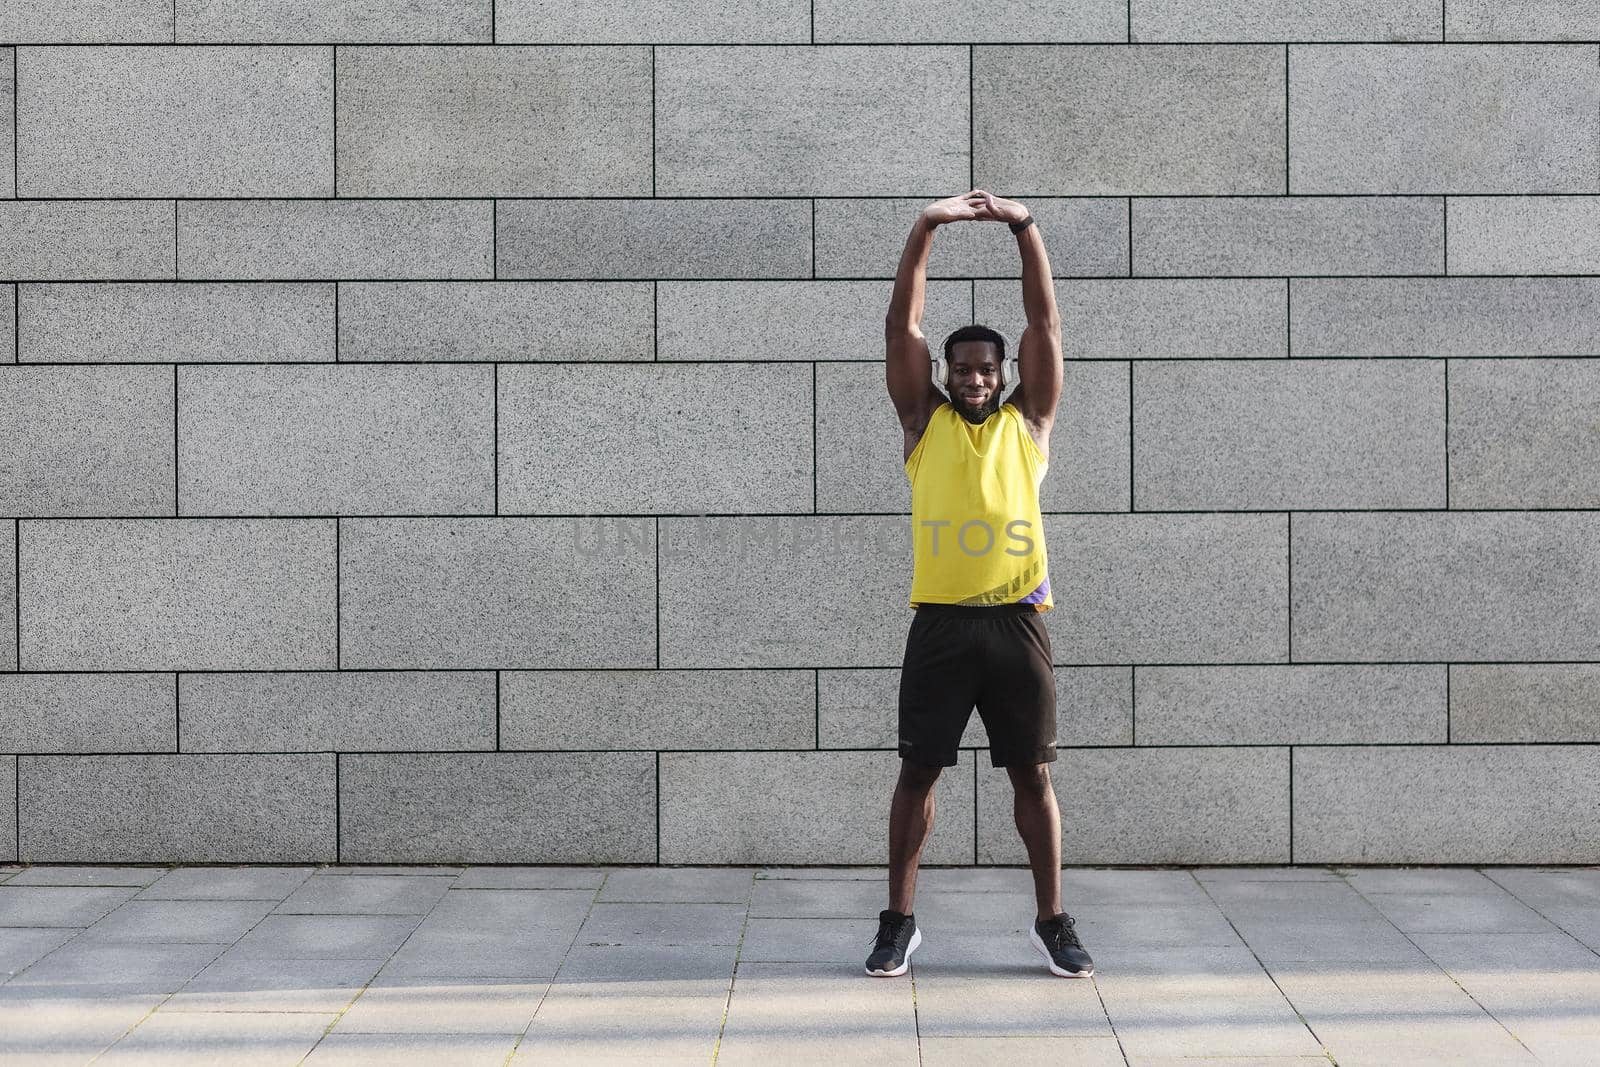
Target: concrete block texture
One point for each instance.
(176, 594)
(498, 807)
(347, 239)
(459, 121)
(770, 121)
(60, 240)
(1157, 318)
(555, 322)
(322, 440)
(1116, 120)
(8, 323)
(927, 21)
(99, 121)
(8, 120)
(86, 441)
(1524, 433)
(1394, 118)
(1237, 435)
(333, 711)
(1295, 20)
(1403, 804)
(64, 712)
(859, 238)
(86, 21)
(8, 595)
(1524, 702)
(474, 593)
(689, 437)
(1152, 805)
(1288, 235)
(243, 808)
(1524, 234)
(802, 808)
(164, 322)
(419, 21)
(659, 710)
(652, 21)
(1432, 586)
(1522, 20)
(646, 238)
(1410, 317)
(1245, 704)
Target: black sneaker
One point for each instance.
(1058, 942)
(897, 938)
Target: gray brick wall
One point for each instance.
(597, 550)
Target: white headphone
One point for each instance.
(1009, 374)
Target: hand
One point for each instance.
(999, 208)
(956, 208)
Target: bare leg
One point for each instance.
(1039, 822)
(910, 823)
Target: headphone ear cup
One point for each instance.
(939, 373)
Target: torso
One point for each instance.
(1040, 432)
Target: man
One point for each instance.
(980, 574)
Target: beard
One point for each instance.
(976, 415)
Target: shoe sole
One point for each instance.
(916, 939)
(1055, 968)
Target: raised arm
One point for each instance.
(1039, 352)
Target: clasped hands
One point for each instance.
(975, 205)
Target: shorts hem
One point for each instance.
(912, 754)
(1031, 758)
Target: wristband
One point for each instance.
(1018, 227)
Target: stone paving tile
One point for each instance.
(1138, 925)
(217, 922)
(1452, 913)
(653, 970)
(226, 883)
(642, 1029)
(871, 874)
(380, 894)
(531, 878)
(329, 937)
(245, 1038)
(65, 1024)
(817, 1013)
(1007, 1004)
(385, 1050)
(1538, 886)
(235, 982)
(698, 884)
(816, 899)
(117, 968)
(21, 946)
(1265, 874)
(389, 869)
(398, 1005)
(1436, 880)
(988, 955)
(1230, 894)
(86, 875)
(1129, 887)
(494, 933)
(989, 1051)
(59, 906)
(1374, 944)
(809, 941)
(663, 924)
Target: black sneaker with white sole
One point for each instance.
(897, 938)
(1058, 943)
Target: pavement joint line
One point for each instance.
(1581, 944)
(551, 984)
(733, 975)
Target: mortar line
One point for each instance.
(335, 155)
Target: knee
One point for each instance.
(918, 776)
(1032, 780)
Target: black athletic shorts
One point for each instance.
(995, 658)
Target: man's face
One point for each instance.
(974, 380)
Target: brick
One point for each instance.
(177, 809)
(420, 21)
(792, 320)
(1158, 318)
(1271, 434)
(459, 121)
(1404, 804)
(1531, 703)
(511, 322)
(1114, 120)
(1522, 20)
(1298, 235)
(741, 121)
(648, 238)
(927, 22)
(322, 711)
(1153, 805)
(861, 445)
(1296, 20)
(87, 440)
(1393, 118)
(860, 709)
(1525, 433)
(1524, 235)
(177, 594)
(1268, 704)
(505, 593)
(58, 240)
(803, 808)
(101, 121)
(657, 22)
(1427, 587)
(864, 239)
(162, 322)
(500, 807)
(735, 437)
(88, 713)
(1405, 317)
(301, 439)
(86, 21)
(657, 709)
(296, 239)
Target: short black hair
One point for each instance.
(975, 333)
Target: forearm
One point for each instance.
(911, 279)
(1038, 290)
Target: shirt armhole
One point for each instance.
(1022, 426)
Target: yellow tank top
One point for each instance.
(977, 535)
